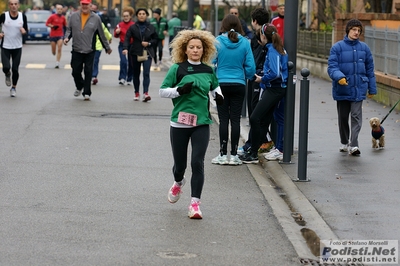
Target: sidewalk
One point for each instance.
(355, 196)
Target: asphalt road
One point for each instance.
(85, 183)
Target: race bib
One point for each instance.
(187, 119)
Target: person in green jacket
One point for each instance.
(161, 26)
(188, 83)
(97, 54)
(172, 23)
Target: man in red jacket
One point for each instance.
(279, 21)
(57, 23)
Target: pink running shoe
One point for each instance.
(175, 191)
(194, 210)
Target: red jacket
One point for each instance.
(57, 20)
(279, 24)
(124, 26)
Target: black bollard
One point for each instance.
(303, 125)
(288, 123)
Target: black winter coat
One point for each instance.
(136, 48)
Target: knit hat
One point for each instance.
(142, 9)
(157, 10)
(353, 23)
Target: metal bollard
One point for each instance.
(289, 116)
(303, 125)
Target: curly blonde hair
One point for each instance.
(181, 40)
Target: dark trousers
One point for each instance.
(199, 138)
(230, 111)
(6, 56)
(262, 115)
(158, 47)
(79, 62)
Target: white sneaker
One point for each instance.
(13, 92)
(175, 191)
(77, 93)
(194, 210)
(234, 160)
(87, 97)
(354, 151)
(344, 148)
(277, 155)
(121, 82)
(220, 159)
(272, 151)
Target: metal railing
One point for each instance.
(385, 47)
(314, 43)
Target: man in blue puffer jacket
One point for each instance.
(351, 68)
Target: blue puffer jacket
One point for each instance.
(351, 60)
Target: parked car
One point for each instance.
(37, 29)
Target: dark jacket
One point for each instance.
(149, 35)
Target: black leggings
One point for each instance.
(262, 115)
(230, 112)
(15, 56)
(199, 137)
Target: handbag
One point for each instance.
(143, 57)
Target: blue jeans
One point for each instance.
(125, 65)
(96, 61)
(136, 73)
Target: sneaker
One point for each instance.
(250, 158)
(265, 147)
(194, 210)
(344, 148)
(77, 93)
(13, 92)
(8, 80)
(121, 82)
(354, 151)
(86, 97)
(220, 159)
(175, 191)
(94, 81)
(57, 65)
(146, 97)
(137, 96)
(272, 151)
(129, 83)
(277, 155)
(240, 151)
(234, 160)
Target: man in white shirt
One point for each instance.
(14, 25)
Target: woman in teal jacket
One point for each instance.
(234, 65)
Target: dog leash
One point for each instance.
(383, 119)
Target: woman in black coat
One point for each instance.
(144, 37)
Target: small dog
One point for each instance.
(378, 133)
